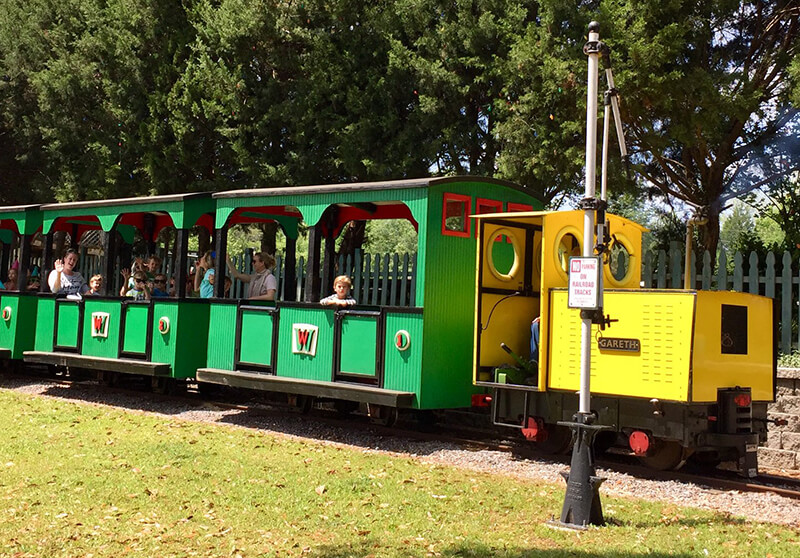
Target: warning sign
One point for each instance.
(584, 283)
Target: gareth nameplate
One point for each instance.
(619, 344)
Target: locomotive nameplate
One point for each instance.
(619, 344)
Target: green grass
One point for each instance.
(81, 480)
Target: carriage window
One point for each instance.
(519, 207)
(455, 215)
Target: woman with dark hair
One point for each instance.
(64, 279)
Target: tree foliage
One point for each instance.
(109, 98)
(707, 85)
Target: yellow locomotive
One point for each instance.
(676, 374)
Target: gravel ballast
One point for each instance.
(762, 507)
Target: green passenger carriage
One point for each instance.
(406, 344)
(412, 352)
(18, 224)
(161, 338)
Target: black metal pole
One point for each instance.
(313, 282)
(47, 262)
(181, 259)
(289, 270)
(220, 247)
(24, 262)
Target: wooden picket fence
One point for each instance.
(390, 279)
(779, 281)
(378, 279)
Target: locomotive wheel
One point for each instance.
(705, 459)
(667, 455)
(559, 440)
(382, 415)
(604, 441)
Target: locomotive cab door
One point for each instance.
(509, 268)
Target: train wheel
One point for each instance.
(162, 385)
(210, 391)
(301, 403)
(604, 441)
(705, 459)
(345, 408)
(665, 455)
(382, 415)
(109, 378)
(559, 440)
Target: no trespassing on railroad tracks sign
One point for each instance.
(584, 283)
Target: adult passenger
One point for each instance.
(263, 284)
(535, 340)
(64, 279)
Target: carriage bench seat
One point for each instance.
(126, 366)
(5, 353)
(297, 386)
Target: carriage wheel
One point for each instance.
(344, 407)
(162, 385)
(666, 455)
(382, 415)
(109, 378)
(300, 403)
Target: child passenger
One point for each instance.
(95, 284)
(204, 275)
(160, 286)
(341, 295)
(140, 291)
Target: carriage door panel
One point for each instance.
(137, 329)
(358, 342)
(256, 337)
(508, 291)
(67, 334)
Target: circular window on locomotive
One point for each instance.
(567, 246)
(619, 262)
(504, 256)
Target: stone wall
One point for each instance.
(782, 450)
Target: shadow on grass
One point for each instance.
(483, 551)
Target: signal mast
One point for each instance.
(582, 505)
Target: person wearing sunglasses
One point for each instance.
(140, 290)
(159, 286)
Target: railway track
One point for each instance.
(421, 428)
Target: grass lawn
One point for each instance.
(83, 480)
